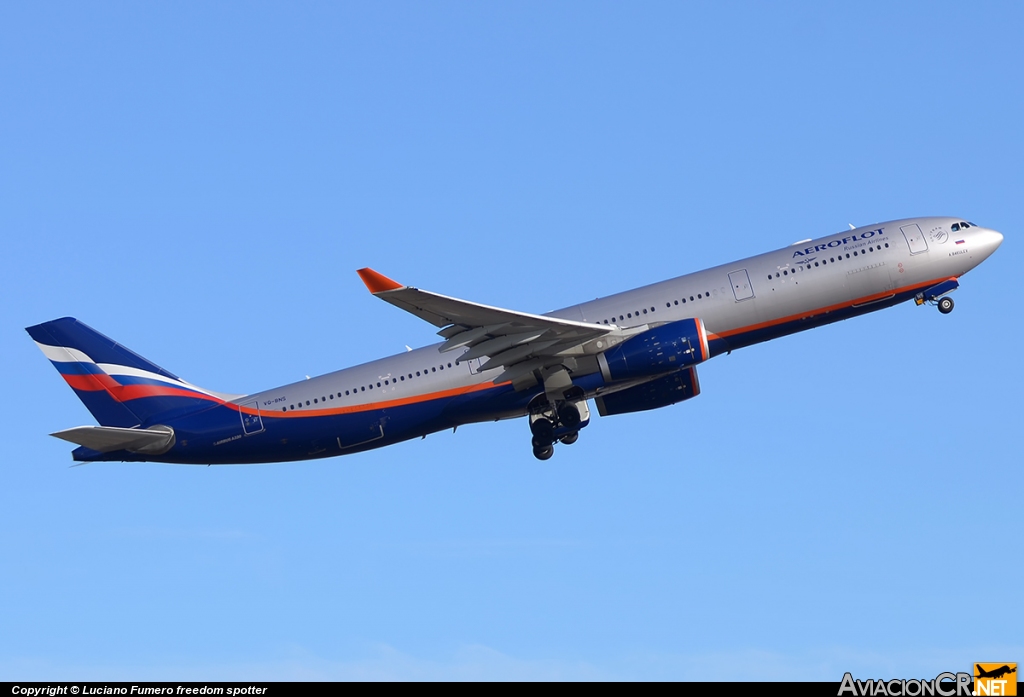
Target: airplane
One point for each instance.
(629, 352)
(995, 673)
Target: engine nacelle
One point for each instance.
(662, 349)
(660, 392)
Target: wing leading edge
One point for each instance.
(519, 342)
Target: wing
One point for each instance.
(519, 342)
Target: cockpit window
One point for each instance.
(965, 225)
(956, 227)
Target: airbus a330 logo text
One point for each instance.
(837, 243)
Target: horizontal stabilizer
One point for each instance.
(106, 439)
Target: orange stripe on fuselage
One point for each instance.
(96, 382)
(709, 336)
(829, 308)
(387, 404)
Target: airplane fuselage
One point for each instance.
(422, 391)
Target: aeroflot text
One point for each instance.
(837, 243)
(54, 691)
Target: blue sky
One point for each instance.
(201, 181)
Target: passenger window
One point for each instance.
(307, 402)
(698, 296)
(691, 298)
(785, 273)
(346, 393)
(815, 263)
(645, 310)
(886, 245)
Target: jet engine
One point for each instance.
(660, 350)
(657, 393)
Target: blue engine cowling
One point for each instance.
(659, 392)
(660, 350)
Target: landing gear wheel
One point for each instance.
(945, 305)
(570, 438)
(541, 442)
(569, 415)
(544, 453)
(543, 429)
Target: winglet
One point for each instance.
(376, 282)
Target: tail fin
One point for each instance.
(119, 387)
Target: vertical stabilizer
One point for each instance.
(119, 387)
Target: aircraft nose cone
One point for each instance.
(991, 240)
(988, 242)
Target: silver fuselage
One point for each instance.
(741, 303)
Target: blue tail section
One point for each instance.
(117, 385)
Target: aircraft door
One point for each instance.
(251, 422)
(740, 282)
(915, 238)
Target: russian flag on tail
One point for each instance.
(118, 386)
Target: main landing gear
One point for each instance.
(557, 423)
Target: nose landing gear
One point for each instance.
(937, 295)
